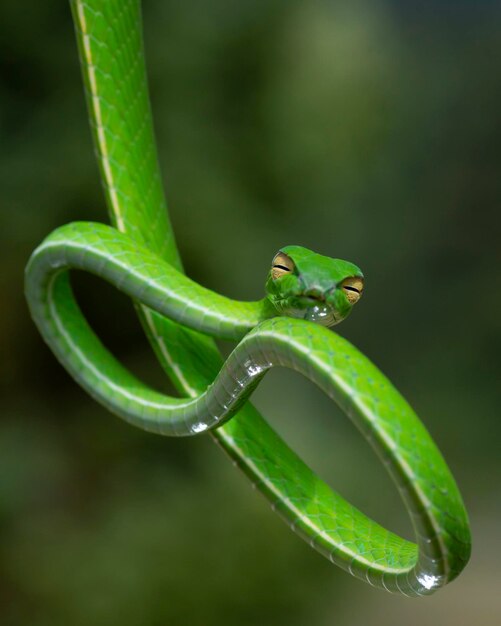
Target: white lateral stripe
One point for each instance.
(96, 106)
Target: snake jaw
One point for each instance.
(322, 314)
(308, 308)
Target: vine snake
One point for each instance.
(306, 293)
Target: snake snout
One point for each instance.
(315, 295)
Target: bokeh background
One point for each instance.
(365, 130)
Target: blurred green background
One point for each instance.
(365, 130)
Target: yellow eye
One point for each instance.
(281, 264)
(353, 288)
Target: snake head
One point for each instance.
(307, 285)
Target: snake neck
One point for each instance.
(267, 309)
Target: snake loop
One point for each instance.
(344, 374)
(142, 261)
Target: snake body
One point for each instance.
(139, 257)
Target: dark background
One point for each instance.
(365, 130)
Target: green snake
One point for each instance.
(306, 293)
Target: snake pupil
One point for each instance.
(282, 267)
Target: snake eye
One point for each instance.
(281, 264)
(353, 288)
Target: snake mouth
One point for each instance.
(301, 302)
(310, 300)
